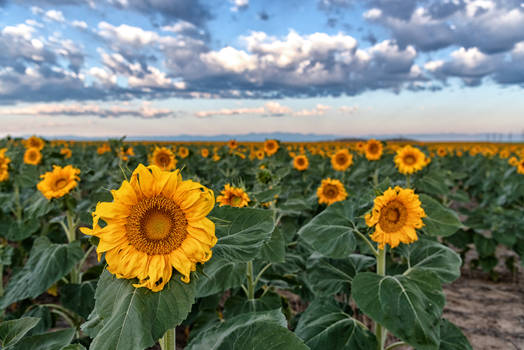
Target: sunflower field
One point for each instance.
(134, 245)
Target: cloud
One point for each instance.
(272, 108)
(54, 15)
(348, 109)
(75, 110)
(239, 5)
(79, 24)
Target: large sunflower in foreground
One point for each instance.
(271, 147)
(331, 191)
(341, 160)
(32, 156)
(300, 162)
(155, 223)
(373, 149)
(409, 160)
(233, 196)
(59, 182)
(396, 214)
(163, 158)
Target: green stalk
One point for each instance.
(381, 332)
(408, 182)
(250, 282)
(1, 280)
(18, 211)
(168, 341)
(70, 231)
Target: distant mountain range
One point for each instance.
(297, 137)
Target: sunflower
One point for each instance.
(520, 166)
(341, 160)
(4, 173)
(361, 147)
(260, 154)
(441, 151)
(32, 156)
(513, 161)
(103, 149)
(232, 144)
(204, 152)
(373, 150)
(59, 182)
(331, 191)
(163, 158)
(183, 152)
(271, 147)
(66, 152)
(396, 214)
(155, 223)
(4, 160)
(233, 196)
(409, 160)
(34, 142)
(300, 162)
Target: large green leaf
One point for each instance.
(452, 338)
(439, 220)
(331, 276)
(433, 256)
(325, 326)
(266, 330)
(12, 331)
(241, 232)
(409, 305)
(47, 341)
(135, 318)
(331, 232)
(79, 297)
(47, 263)
(237, 305)
(432, 184)
(274, 250)
(219, 275)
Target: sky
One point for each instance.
(150, 68)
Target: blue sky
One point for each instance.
(346, 67)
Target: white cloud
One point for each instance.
(239, 5)
(79, 24)
(373, 13)
(54, 15)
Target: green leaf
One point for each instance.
(135, 318)
(237, 305)
(47, 263)
(241, 232)
(12, 331)
(331, 232)
(265, 330)
(485, 246)
(409, 306)
(79, 297)
(73, 347)
(325, 326)
(39, 206)
(432, 185)
(331, 276)
(267, 195)
(47, 341)
(274, 250)
(15, 231)
(439, 220)
(433, 256)
(219, 275)
(6, 254)
(452, 338)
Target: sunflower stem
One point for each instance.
(168, 341)
(70, 231)
(1, 280)
(381, 332)
(375, 177)
(408, 182)
(370, 245)
(18, 210)
(250, 281)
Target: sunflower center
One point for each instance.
(393, 216)
(330, 191)
(156, 226)
(32, 155)
(409, 159)
(60, 183)
(341, 159)
(236, 200)
(300, 161)
(162, 159)
(373, 148)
